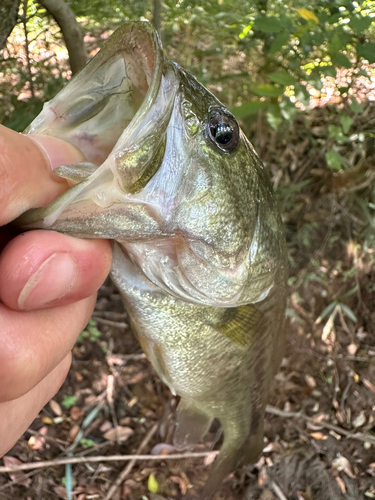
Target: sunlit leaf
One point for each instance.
(245, 31)
(308, 15)
(152, 484)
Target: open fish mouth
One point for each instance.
(114, 89)
(116, 111)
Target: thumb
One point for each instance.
(26, 171)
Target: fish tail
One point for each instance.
(238, 448)
(191, 426)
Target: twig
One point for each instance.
(109, 458)
(109, 322)
(278, 491)
(131, 464)
(289, 414)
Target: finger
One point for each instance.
(33, 343)
(26, 171)
(46, 269)
(17, 415)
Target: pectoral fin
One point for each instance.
(239, 324)
(77, 172)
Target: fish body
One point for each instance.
(199, 254)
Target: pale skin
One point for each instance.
(48, 282)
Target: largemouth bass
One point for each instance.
(198, 245)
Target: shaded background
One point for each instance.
(302, 83)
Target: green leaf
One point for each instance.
(268, 24)
(341, 60)
(86, 443)
(267, 90)
(336, 132)
(346, 123)
(363, 72)
(348, 312)
(314, 79)
(69, 401)
(334, 160)
(245, 31)
(249, 108)
(328, 71)
(274, 117)
(335, 44)
(302, 94)
(152, 484)
(335, 18)
(280, 40)
(367, 51)
(360, 23)
(288, 109)
(282, 77)
(328, 310)
(355, 106)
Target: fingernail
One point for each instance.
(53, 280)
(58, 152)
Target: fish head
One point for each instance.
(171, 176)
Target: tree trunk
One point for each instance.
(71, 30)
(8, 19)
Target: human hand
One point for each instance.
(48, 282)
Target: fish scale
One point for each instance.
(199, 254)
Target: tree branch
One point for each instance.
(71, 30)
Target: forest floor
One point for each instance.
(320, 425)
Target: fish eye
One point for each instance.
(223, 129)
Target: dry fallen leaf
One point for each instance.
(36, 442)
(76, 412)
(319, 436)
(369, 385)
(341, 484)
(352, 349)
(106, 425)
(61, 492)
(208, 460)
(121, 433)
(359, 420)
(342, 464)
(74, 432)
(18, 476)
(55, 407)
(182, 483)
(310, 381)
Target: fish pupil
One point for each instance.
(222, 133)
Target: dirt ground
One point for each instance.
(320, 425)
